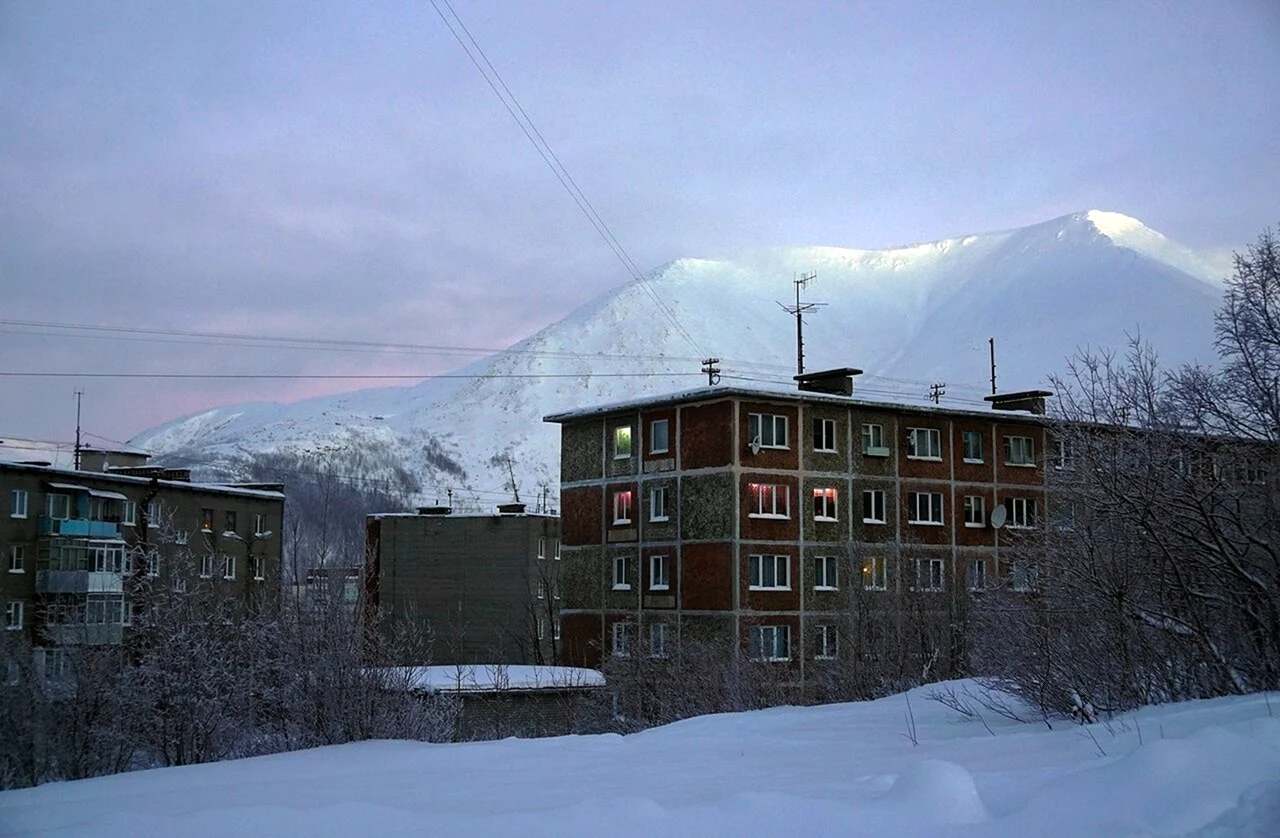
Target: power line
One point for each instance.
(339, 376)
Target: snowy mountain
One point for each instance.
(908, 316)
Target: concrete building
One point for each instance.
(75, 544)
(486, 588)
(753, 515)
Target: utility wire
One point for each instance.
(342, 376)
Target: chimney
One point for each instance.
(1032, 401)
(511, 509)
(435, 510)
(837, 382)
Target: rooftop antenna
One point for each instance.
(79, 393)
(798, 311)
(992, 342)
(711, 370)
(937, 391)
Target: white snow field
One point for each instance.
(1208, 768)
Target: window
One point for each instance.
(555, 588)
(621, 574)
(659, 573)
(555, 628)
(924, 507)
(622, 507)
(153, 513)
(230, 521)
(873, 441)
(658, 633)
(929, 574)
(14, 674)
(1062, 460)
(1019, 451)
(105, 609)
(542, 548)
(555, 545)
(769, 500)
(1022, 512)
(228, 566)
(770, 643)
(975, 511)
(924, 444)
(824, 435)
(18, 503)
(206, 520)
(622, 442)
(17, 558)
(873, 506)
(108, 557)
(621, 640)
(256, 566)
(542, 627)
(828, 643)
(206, 566)
(128, 513)
(659, 436)
(825, 506)
(260, 525)
(826, 575)
(769, 429)
(58, 507)
(542, 590)
(57, 664)
(658, 504)
(875, 574)
(977, 574)
(973, 446)
(13, 615)
(1024, 577)
(153, 563)
(769, 573)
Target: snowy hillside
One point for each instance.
(909, 316)
(1205, 769)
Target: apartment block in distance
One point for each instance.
(483, 588)
(748, 516)
(73, 540)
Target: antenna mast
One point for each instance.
(79, 393)
(798, 311)
(992, 342)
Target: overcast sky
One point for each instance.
(341, 170)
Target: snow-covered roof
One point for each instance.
(215, 488)
(479, 678)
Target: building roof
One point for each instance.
(74, 480)
(716, 393)
(455, 515)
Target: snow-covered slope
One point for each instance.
(909, 316)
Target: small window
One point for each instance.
(542, 627)
(770, 643)
(873, 506)
(769, 573)
(542, 548)
(924, 444)
(228, 566)
(977, 574)
(621, 640)
(768, 429)
(128, 513)
(770, 500)
(1021, 512)
(658, 633)
(542, 589)
(658, 504)
(975, 511)
(555, 544)
(555, 628)
(828, 643)
(153, 513)
(1024, 577)
(13, 615)
(622, 442)
(824, 435)
(257, 564)
(230, 521)
(973, 446)
(825, 505)
(929, 574)
(58, 507)
(1019, 451)
(1062, 459)
(18, 503)
(825, 574)
(206, 566)
(875, 574)
(622, 507)
(659, 573)
(260, 525)
(17, 558)
(924, 508)
(659, 436)
(621, 574)
(206, 520)
(873, 441)
(153, 563)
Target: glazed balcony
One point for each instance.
(78, 527)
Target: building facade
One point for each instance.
(756, 518)
(482, 589)
(77, 545)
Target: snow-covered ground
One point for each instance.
(1204, 768)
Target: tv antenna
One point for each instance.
(712, 372)
(79, 394)
(937, 391)
(992, 343)
(798, 311)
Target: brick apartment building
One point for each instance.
(485, 588)
(73, 542)
(748, 515)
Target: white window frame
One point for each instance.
(659, 634)
(660, 573)
(828, 637)
(965, 437)
(622, 639)
(768, 572)
(13, 616)
(17, 558)
(767, 427)
(978, 579)
(1022, 513)
(54, 500)
(622, 442)
(771, 492)
(929, 572)
(975, 511)
(128, 513)
(1023, 577)
(875, 574)
(873, 440)
(1020, 451)
(914, 509)
(109, 557)
(869, 498)
(621, 573)
(555, 628)
(19, 501)
(926, 439)
(154, 510)
(824, 435)
(826, 504)
(260, 525)
(826, 573)
(228, 566)
(665, 424)
(541, 623)
(206, 518)
(656, 492)
(555, 545)
(542, 548)
(206, 565)
(776, 636)
(622, 507)
(153, 563)
(257, 567)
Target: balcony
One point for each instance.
(78, 527)
(81, 634)
(78, 582)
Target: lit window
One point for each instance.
(873, 441)
(824, 435)
(622, 507)
(875, 574)
(659, 573)
(873, 506)
(18, 503)
(975, 511)
(770, 500)
(924, 507)
(1021, 512)
(828, 643)
(766, 428)
(770, 643)
(929, 574)
(825, 506)
(825, 574)
(621, 574)
(206, 520)
(658, 633)
(924, 444)
(769, 573)
(973, 446)
(621, 640)
(659, 436)
(622, 442)
(658, 504)
(1019, 451)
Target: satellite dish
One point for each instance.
(754, 445)
(998, 516)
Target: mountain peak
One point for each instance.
(1112, 224)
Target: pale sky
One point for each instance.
(341, 171)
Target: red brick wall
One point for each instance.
(706, 577)
(580, 511)
(580, 640)
(706, 435)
